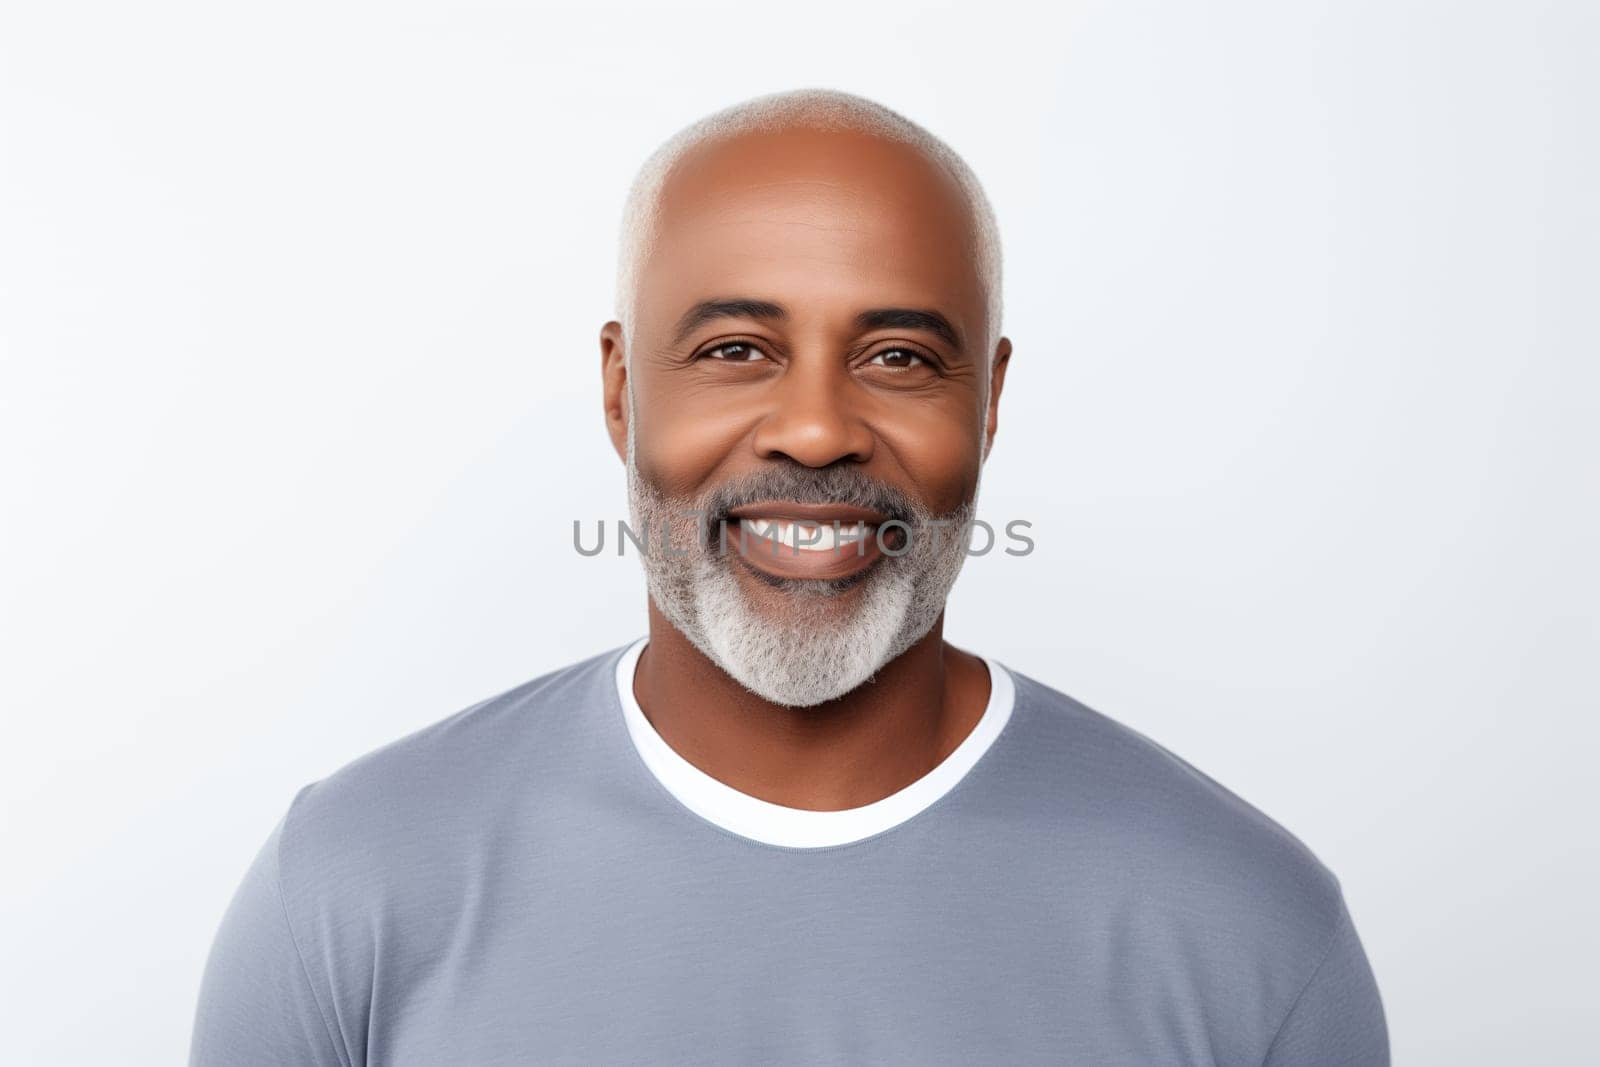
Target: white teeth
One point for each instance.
(804, 536)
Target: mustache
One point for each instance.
(808, 485)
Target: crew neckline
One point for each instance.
(774, 824)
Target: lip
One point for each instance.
(776, 560)
(822, 513)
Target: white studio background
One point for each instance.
(300, 398)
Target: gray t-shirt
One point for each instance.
(540, 879)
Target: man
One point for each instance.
(792, 824)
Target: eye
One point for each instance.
(734, 352)
(899, 358)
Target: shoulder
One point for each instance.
(1182, 843)
(413, 802)
(1200, 891)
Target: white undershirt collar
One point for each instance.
(774, 824)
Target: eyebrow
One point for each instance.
(874, 319)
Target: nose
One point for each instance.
(812, 420)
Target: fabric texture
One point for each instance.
(513, 885)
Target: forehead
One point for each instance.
(826, 222)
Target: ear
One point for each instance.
(997, 381)
(614, 385)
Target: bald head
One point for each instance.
(875, 153)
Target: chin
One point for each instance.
(801, 649)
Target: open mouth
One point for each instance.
(785, 539)
(806, 536)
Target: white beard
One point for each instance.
(816, 652)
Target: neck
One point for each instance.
(846, 753)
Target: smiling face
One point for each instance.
(809, 362)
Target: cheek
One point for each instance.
(939, 446)
(683, 442)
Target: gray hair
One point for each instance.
(822, 109)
